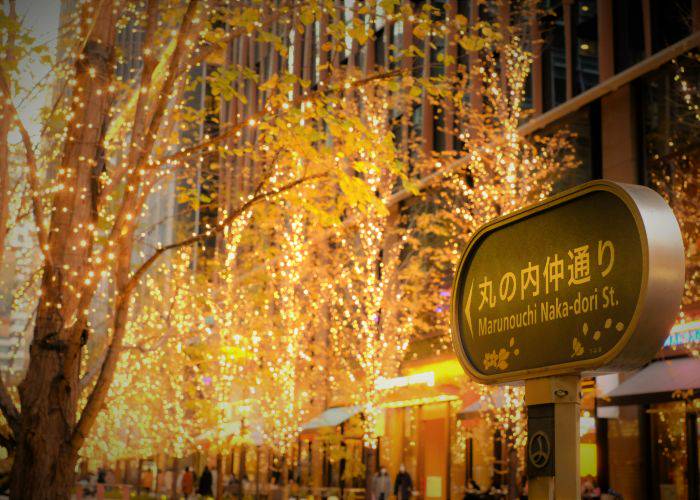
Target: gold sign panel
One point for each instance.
(588, 280)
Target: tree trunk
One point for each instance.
(44, 465)
(284, 481)
(257, 472)
(512, 474)
(138, 477)
(127, 472)
(370, 467)
(241, 469)
(5, 113)
(176, 472)
(219, 476)
(4, 176)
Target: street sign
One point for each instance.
(587, 280)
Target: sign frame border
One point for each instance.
(660, 292)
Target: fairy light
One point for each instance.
(674, 172)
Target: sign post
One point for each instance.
(588, 281)
(554, 405)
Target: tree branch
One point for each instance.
(97, 397)
(259, 196)
(139, 154)
(32, 177)
(122, 228)
(9, 410)
(260, 115)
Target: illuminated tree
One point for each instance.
(374, 303)
(673, 165)
(495, 170)
(150, 407)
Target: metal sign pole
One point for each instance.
(553, 437)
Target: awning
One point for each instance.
(473, 409)
(231, 431)
(332, 417)
(658, 377)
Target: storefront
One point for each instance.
(418, 428)
(649, 424)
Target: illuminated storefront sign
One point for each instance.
(441, 398)
(424, 378)
(684, 334)
(564, 285)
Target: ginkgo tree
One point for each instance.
(374, 302)
(496, 171)
(151, 403)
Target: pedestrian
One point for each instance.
(187, 482)
(403, 486)
(147, 479)
(101, 476)
(381, 485)
(233, 485)
(205, 483)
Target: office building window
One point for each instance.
(670, 122)
(553, 56)
(380, 47)
(439, 142)
(628, 33)
(669, 118)
(671, 21)
(584, 125)
(463, 8)
(437, 66)
(397, 43)
(585, 45)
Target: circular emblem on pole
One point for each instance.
(539, 450)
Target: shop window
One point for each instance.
(585, 45)
(628, 33)
(463, 8)
(694, 440)
(669, 450)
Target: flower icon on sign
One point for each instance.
(578, 348)
(495, 359)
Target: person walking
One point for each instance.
(403, 485)
(205, 483)
(187, 482)
(381, 485)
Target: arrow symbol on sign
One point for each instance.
(467, 309)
